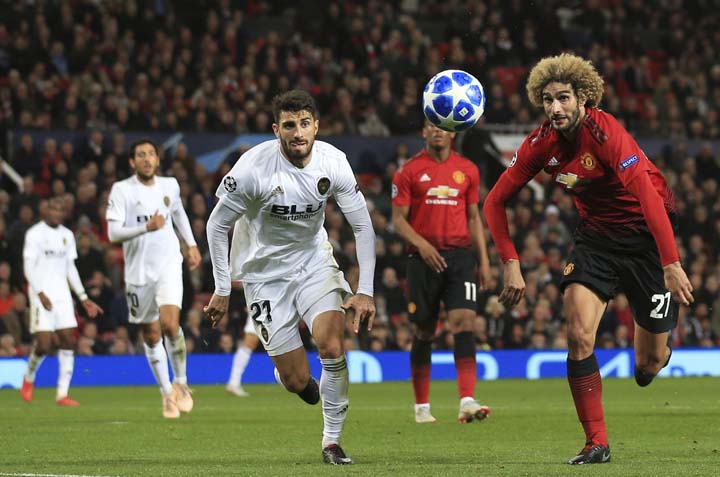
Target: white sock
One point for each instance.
(240, 362)
(178, 356)
(334, 391)
(421, 406)
(34, 362)
(157, 358)
(66, 364)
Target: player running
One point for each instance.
(141, 213)
(275, 197)
(624, 240)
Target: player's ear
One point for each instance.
(276, 130)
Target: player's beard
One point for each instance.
(145, 177)
(572, 122)
(297, 158)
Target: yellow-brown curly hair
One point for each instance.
(566, 68)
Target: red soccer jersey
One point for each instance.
(596, 169)
(438, 194)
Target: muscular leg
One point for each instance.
(328, 329)
(583, 310)
(652, 353)
(66, 361)
(294, 372)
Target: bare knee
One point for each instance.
(580, 333)
(330, 349)
(294, 381)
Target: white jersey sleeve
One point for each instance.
(347, 192)
(116, 208)
(180, 218)
(31, 259)
(239, 188)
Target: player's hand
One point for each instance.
(432, 257)
(92, 308)
(677, 283)
(216, 309)
(193, 257)
(46, 303)
(156, 222)
(484, 276)
(360, 307)
(513, 284)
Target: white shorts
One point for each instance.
(62, 316)
(144, 301)
(249, 327)
(275, 307)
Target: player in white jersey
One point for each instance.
(275, 197)
(141, 213)
(49, 256)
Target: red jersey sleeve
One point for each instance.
(401, 188)
(523, 168)
(633, 169)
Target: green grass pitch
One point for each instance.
(670, 428)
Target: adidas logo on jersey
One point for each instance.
(553, 162)
(425, 178)
(277, 191)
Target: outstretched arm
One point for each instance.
(362, 303)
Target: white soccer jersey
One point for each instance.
(133, 203)
(283, 209)
(48, 255)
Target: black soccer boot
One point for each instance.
(333, 454)
(591, 454)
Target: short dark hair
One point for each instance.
(140, 142)
(294, 100)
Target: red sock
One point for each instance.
(421, 382)
(465, 364)
(586, 387)
(420, 363)
(466, 376)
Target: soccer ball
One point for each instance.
(453, 100)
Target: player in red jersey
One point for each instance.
(434, 207)
(624, 240)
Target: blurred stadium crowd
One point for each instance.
(116, 66)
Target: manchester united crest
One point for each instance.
(569, 269)
(587, 161)
(458, 177)
(166, 201)
(323, 185)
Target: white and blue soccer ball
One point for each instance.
(453, 100)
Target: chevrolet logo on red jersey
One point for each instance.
(443, 192)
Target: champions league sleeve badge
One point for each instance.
(323, 185)
(230, 184)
